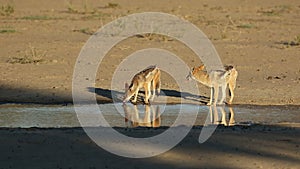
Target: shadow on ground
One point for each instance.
(34, 96)
(117, 95)
(232, 147)
(53, 96)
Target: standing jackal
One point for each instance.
(146, 78)
(216, 79)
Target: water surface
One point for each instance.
(118, 115)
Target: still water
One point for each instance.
(118, 115)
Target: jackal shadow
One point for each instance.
(117, 96)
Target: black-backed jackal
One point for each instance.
(144, 79)
(216, 79)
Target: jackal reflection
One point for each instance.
(151, 117)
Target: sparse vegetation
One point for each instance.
(96, 15)
(111, 5)
(224, 36)
(7, 31)
(217, 8)
(7, 10)
(84, 31)
(38, 17)
(275, 11)
(85, 9)
(71, 8)
(154, 36)
(247, 26)
(81, 10)
(283, 8)
(270, 13)
(30, 56)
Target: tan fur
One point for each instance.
(216, 79)
(132, 118)
(144, 79)
(219, 117)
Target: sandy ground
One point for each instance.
(258, 37)
(41, 40)
(234, 147)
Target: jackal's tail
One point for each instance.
(232, 76)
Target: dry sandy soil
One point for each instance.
(258, 37)
(41, 40)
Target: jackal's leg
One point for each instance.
(216, 94)
(135, 117)
(147, 116)
(211, 96)
(135, 95)
(147, 94)
(153, 90)
(231, 119)
(211, 114)
(223, 118)
(136, 114)
(231, 90)
(149, 91)
(128, 115)
(223, 90)
(156, 119)
(215, 114)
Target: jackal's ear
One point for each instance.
(201, 67)
(228, 67)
